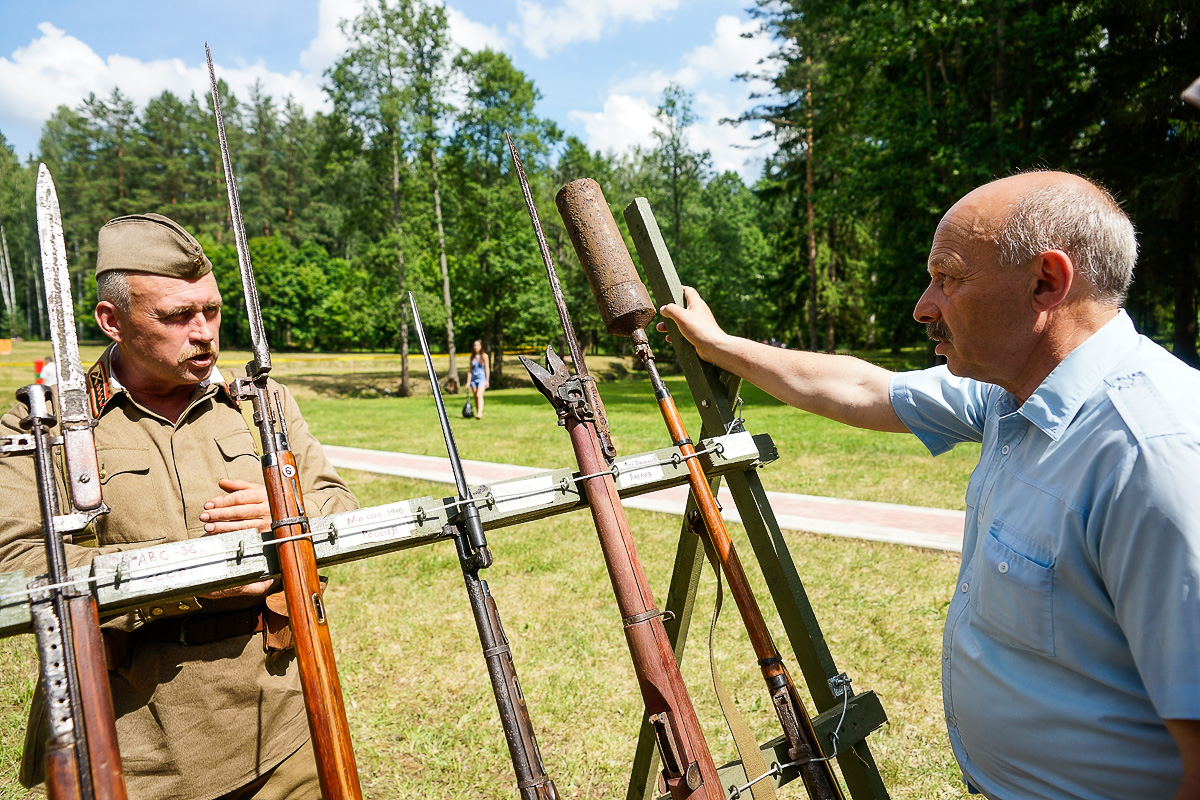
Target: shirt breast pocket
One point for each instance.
(241, 463)
(1014, 599)
(128, 490)
(119, 468)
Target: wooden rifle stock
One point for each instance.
(323, 702)
(66, 758)
(804, 749)
(327, 723)
(82, 757)
(688, 769)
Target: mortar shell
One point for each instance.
(625, 305)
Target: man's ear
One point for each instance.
(1054, 273)
(109, 319)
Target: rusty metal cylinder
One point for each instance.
(625, 304)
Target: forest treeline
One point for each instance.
(883, 114)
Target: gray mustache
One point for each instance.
(197, 350)
(937, 330)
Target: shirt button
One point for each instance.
(980, 517)
(1002, 567)
(1005, 449)
(950, 721)
(946, 652)
(156, 611)
(965, 586)
(184, 607)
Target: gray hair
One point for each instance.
(1085, 222)
(113, 287)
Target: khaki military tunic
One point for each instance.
(193, 722)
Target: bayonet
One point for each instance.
(586, 380)
(260, 365)
(82, 758)
(79, 442)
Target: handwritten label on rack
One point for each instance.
(203, 558)
(529, 493)
(737, 445)
(376, 524)
(636, 471)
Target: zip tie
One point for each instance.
(737, 416)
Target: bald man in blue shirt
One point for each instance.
(1071, 653)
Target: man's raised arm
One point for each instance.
(842, 388)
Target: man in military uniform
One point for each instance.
(206, 690)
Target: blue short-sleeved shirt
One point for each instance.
(1074, 629)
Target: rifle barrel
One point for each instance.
(326, 710)
(532, 779)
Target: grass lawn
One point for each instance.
(419, 701)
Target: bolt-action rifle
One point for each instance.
(626, 309)
(687, 766)
(473, 556)
(327, 722)
(82, 758)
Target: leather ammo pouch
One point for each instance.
(270, 619)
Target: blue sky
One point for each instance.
(601, 65)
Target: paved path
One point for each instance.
(933, 528)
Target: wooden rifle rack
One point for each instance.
(714, 392)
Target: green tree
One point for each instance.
(683, 169)
(19, 235)
(427, 35)
(509, 297)
(368, 88)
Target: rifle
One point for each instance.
(323, 702)
(626, 309)
(473, 556)
(82, 757)
(687, 766)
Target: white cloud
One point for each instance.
(708, 72)
(329, 42)
(544, 30)
(473, 35)
(56, 69)
(624, 122)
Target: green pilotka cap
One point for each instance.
(150, 243)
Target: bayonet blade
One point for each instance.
(589, 385)
(261, 365)
(460, 478)
(79, 443)
(72, 386)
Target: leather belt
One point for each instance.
(197, 629)
(192, 630)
